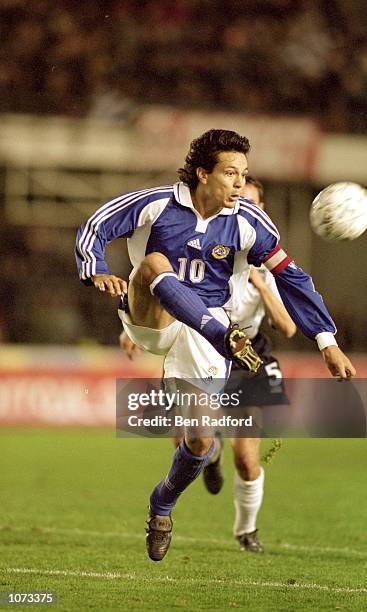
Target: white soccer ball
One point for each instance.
(339, 212)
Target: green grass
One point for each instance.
(75, 501)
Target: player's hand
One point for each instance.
(338, 363)
(114, 285)
(256, 278)
(128, 346)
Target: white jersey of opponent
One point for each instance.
(248, 308)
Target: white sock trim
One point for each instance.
(258, 480)
(158, 280)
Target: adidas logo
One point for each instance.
(195, 244)
(168, 484)
(205, 319)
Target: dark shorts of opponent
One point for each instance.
(266, 388)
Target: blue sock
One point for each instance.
(187, 307)
(185, 468)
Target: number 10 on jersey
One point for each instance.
(196, 269)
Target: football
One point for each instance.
(339, 212)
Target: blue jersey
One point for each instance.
(208, 255)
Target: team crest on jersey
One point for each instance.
(220, 251)
(212, 372)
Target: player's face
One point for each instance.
(250, 192)
(224, 184)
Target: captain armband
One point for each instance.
(277, 260)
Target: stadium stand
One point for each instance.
(60, 59)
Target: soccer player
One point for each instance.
(185, 242)
(258, 298)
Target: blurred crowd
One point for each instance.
(106, 58)
(41, 297)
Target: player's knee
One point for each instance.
(247, 467)
(199, 446)
(153, 265)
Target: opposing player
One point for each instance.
(258, 298)
(185, 242)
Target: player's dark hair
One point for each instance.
(250, 180)
(203, 153)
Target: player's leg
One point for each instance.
(177, 441)
(189, 459)
(248, 490)
(213, 473)
(156, 298)
(144, 307)
(191, 358)
(191, 455)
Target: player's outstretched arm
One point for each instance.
(338, 363)
(298, 294)
(114, 285)
(308, 311)
(275, 309)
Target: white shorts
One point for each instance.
(187, 354)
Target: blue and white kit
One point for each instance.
(208, 255)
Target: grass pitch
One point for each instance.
(72, 512)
